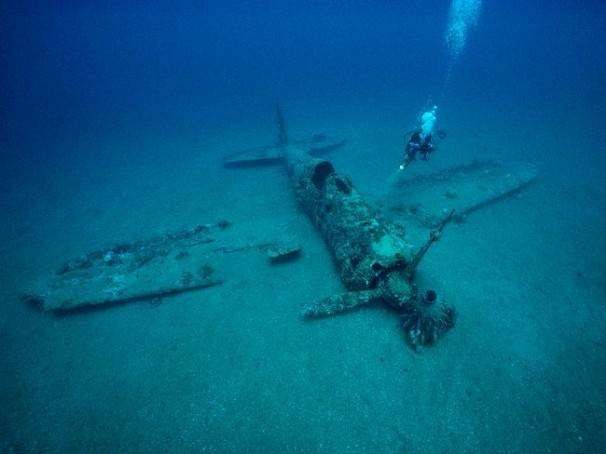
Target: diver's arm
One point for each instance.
(408, 158)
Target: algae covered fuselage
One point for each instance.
(373, 259)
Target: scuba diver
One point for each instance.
(421, 140)
(417, 145)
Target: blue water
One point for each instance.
(114, 120)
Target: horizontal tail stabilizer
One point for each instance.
(268, 155)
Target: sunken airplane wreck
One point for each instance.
(375, 261)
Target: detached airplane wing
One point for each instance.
(425, 199)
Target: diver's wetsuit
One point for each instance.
(417, 144)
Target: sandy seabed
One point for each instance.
(235, 369)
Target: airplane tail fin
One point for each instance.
(272, 154)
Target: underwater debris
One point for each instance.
(223, 224)
(140, 253)
(206, 271)
(276, 251)
(149, 269)
(280, 253)
(130, 272)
